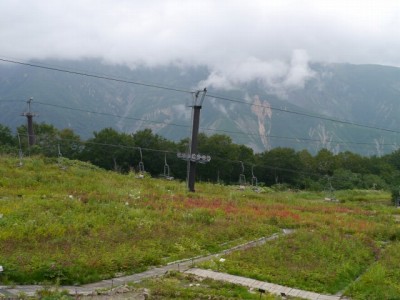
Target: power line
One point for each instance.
(249, 164)
(158, 151)
(103, 144)
(296, 139)
(326, 118)
(110, 115)
(236, 162)
(12, 100)
(58, 69)
(224, 98)
(208, 95)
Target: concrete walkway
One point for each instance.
(261, 285)
(12, 292)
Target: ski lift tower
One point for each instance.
(29, 116)
(193, 157)
(242, 178)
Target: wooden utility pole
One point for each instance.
(29, 116)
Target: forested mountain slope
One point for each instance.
(357, 94)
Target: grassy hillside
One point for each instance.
(84, 224)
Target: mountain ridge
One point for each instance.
(360, 94)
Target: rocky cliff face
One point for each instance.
(262, 110)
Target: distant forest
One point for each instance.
(230, 163)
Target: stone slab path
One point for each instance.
(12, 292)
(261, 285)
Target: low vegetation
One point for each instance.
(382, 279)
(85, 224)
(324, 261)
(80, 223)
(178, 286)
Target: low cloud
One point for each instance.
(276, 76)
(238, 41)
(299, 71)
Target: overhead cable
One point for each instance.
(59, 69)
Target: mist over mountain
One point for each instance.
(279, 111)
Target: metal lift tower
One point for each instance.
(29, 116)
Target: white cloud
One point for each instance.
(277, 76)
(216, 80)
(299, 71)
(239, 41)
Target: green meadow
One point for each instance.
(82, 224)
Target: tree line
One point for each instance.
(280, 167)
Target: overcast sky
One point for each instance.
(238, 40)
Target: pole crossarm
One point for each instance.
(198, 101)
